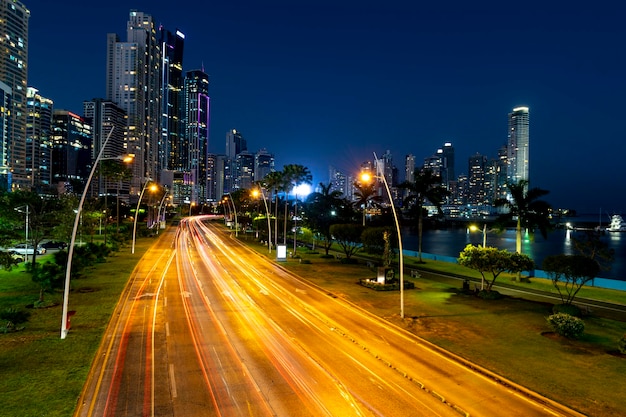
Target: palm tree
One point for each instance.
(274, 181)
(525, 207)
(365, 194)
(426, 187)
(323, 208)
(295, 175)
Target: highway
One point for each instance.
(207, 327)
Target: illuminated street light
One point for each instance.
(255, 193)
(153, 188)
(475, 228)
(70, 253)
(367, 177)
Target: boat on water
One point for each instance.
(617, 224)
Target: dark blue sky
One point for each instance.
(321, 82)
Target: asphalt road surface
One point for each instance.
(206, 327)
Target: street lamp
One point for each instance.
(234, 211)
(26, 229)
(267, 213)
(159, 211)
(475, 228)
(70, 252)
(366, 177)
(143, 190)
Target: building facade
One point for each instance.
(133, 82)
(518, 145)
(71, 151)
(197, 132)
(38, 145)
(14, 17)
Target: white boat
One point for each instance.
(617, 224)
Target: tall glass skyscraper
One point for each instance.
(197, 118)
(517, 145)
(13, 74)
(134, 83)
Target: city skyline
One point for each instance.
(327, 84)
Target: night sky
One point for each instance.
(322, 83)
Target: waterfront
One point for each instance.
(450, 242)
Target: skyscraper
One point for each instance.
(197, 135)
(235, 144)
(104, 115)
(13, 73)
(517, 145)
(38, 146)
(71, 151)
(173, 114)
(133, 83)
(263, 164)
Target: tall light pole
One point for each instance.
(70, 252)
(267, 213)
(143, 190)
(26, 228)
(159, 211)
(234, 211)
(366, 178)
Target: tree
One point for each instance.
(494, 261)
(526, 209)
(573, 271)
(294, 176)
(322, 211)
(365, 194)
(348, 236)
(426, 188)
(274, 182)
(592, 247)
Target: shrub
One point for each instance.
(570, 309)
(567, 325)
(14, 316)
(621, 345)
(489, 295)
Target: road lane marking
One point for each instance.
(173, 381)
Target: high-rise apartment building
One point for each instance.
(133, 82)
(235, 144)
(263, 164)
(476, 194)
(172, 149)
(38, 147)
(14, 18)
(71, 151)
(409, 168)
(244, 163)
(518, 145)
(5, 151)
(197, 134)
(104, 115)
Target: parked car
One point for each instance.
(15, 256)
(53, 244)
(26, 249)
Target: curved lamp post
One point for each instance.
(159, 211)
(476, 228)
(267, 213)
(234, 211)
(366, 177)
(143, 190)
(70, 253)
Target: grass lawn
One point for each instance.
(509, 336)
(43, 375)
